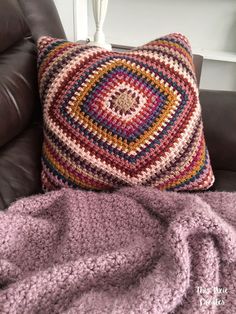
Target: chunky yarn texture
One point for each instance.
(137, 250)
(114, 119)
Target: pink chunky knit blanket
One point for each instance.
(136, 250)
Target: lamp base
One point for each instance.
(101, 45)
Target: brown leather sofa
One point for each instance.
(20, 112)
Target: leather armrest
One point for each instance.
(42, 18)
(12, 24)
(219, 119)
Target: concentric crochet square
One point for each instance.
(129, 118)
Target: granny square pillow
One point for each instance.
(114, 119)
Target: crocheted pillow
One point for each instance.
(121, 118)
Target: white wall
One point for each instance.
(74, 17)
(209, 24)
(66, 11)
(218, 75)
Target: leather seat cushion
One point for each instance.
(18, 89)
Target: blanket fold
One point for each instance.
(136, 250)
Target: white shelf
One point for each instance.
(216, 55)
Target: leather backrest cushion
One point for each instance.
(219, 119)
(18, 70)
(18, 89)
(12, 24)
